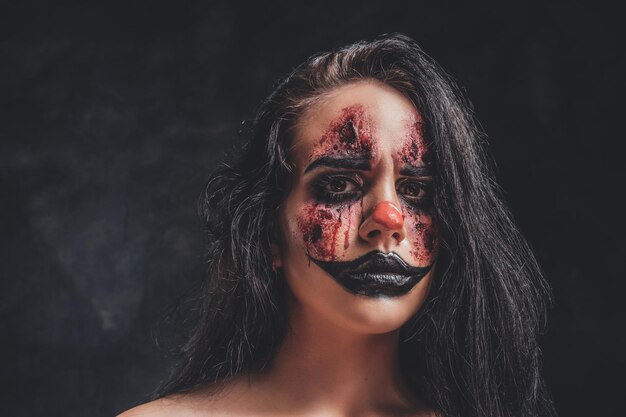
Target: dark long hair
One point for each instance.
(471, 350)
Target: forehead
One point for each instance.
(366, 118)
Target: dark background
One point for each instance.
(113, 114)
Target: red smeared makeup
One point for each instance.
(422, 231)
(329, 219)
(349, 134)
(420, 220)
(322, 220)
(320, 226)
(414, 150)
(348, 157)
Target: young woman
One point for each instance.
(361, 260)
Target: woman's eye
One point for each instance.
(413, 190)
(338, 185)
(335, 188)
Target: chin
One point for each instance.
(320, 300)
(381, 315)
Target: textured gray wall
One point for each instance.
(114, 113)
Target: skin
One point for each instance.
(385, 128)
(339, 357)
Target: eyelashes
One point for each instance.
(416, 193)
(343, 188)
(335, 188)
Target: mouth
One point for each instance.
(375, 274)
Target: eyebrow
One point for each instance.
(413, 171)
(361, 163)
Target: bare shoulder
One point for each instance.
(160, 408)
(180, 405)
(198, 403)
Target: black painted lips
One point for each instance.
(375, 274)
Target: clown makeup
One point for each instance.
(414, 160)
(359, 216)
(343, 157)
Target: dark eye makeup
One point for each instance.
(336, 188)
(414, 190)
(346, 187)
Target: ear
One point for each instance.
(277, 259)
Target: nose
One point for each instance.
(385, 223)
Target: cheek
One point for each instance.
(423, 233)
(325, 230)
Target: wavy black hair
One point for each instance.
(472, 349)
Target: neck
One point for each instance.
(322, 366)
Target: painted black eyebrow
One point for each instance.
(413, 171)
(360, 163)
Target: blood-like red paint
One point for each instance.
(319, 225)
(388, 215)
(326, 228)
(346, 233)
(423, 232)
(349, 134)
(414, 150)
(420, 223)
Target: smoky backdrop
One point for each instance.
(114, 114)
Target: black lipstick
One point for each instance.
(375, 274)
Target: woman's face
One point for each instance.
(358, 235)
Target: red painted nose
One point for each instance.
(388, 215)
